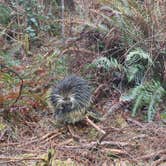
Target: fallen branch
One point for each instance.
(98, 89)
(17, 159)
(145, 157)
(51, 137)
(64, 142)
(21, 85)
(92, 144)
(95, 126)
(45, 137)
(8, 144)
(84, 51)
(135, 122)
(115, 151)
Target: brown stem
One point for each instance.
(95, 126)
(21, 85)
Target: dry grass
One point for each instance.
(127, 141)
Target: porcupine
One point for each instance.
(70, 99)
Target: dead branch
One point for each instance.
(9, 144)
(98, 91)
(84, 51)
(95, 126)
(17, 159)
(21, 85)
(136, 122)
(145, 157)
(114, 151)
(54, 134)
(93, 144)
(64, 142)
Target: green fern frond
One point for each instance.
(102, 62)
(136, 56)
(132, 19)
(5, 14)
(106, 63)
(148, 95)
(115, 64)
(9, 59)
(136, 64)
(137, 104)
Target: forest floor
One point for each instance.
(126, 142)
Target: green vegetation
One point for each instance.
(4, 14)
(149, 94)
(118, 45)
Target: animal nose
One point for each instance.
(63, 105)
(66, 104)
(69, 104)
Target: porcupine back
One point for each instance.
(70, 99)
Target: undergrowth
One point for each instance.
(123, 41)
(147, 96)
(126, 40)
(118, 45)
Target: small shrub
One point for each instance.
(148, 95)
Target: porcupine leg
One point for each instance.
(71, 131)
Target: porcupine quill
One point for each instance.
(70, 100)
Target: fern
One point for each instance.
(106, 63)
(5, 14)
(135, 66)
(102, 62)
(115, 64)
(9, 59)
(148, 95)
(136, 63)
(126, 13)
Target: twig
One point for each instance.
(114, 151)
(98, 90)
(135, 122)
(145, 157)
(79, 50)
(17, 159)
(76, 137)
(21, 85)
(64, 142)
(103, 136)
(30, 151)
(92, 144)
(95, 126)
(9, 144)
(62, 17)
(54, 134)
(100, 140)
(50, 138)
